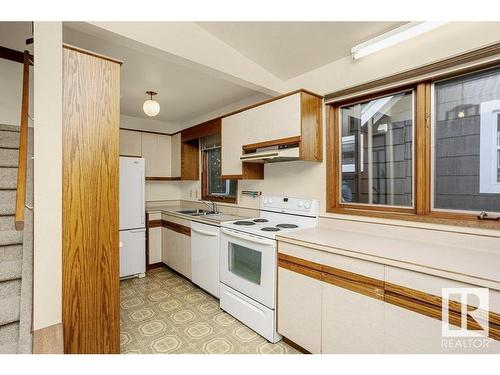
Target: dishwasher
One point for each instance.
(205, 257)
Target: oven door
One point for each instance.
(248, 265)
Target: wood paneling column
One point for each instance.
(91, 116)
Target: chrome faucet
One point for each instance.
(213, 207)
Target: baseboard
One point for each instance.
(295, 346)
(49, 340)
(154, 265)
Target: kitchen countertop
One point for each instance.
(210, 219)
(479, 264)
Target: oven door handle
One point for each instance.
(248, 238)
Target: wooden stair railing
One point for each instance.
(23, 146)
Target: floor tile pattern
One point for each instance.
(165, 313)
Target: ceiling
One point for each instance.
(183, 93)
(288, 49)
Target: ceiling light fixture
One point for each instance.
(390, 38)
(151, 107)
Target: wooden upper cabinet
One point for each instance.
(296, 116)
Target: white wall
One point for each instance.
(47, 292)
(163, 190)
(13, 35)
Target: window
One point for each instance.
(427, 152)
(466, 139)
(377, 151)
(215, 188)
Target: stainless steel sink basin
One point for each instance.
(194, 212)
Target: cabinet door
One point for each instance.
(155, 246)
(352, 322)
(283, 117)
(130, 143)
(231, 140)
(168, 245)
(156, 150)
(299, 309)
(175, 168)
(186, 255)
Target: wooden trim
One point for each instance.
(163, 178)
(276, 142)
(202, 130)
(428, 69)
(13, 55)
(155, 265)
(23, 146)
(91, 53)
(422, 142)
(270, 100)
(49, 340)
(311, 127)
(407, 298)
(204, 185)
(176, 227)
(295, 346)
(155, 223)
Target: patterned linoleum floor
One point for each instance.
(165, 313)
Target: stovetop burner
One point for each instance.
(270, 229)
(260, 220)
(287, 226)
(244, 222)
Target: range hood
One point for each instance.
(271, 155)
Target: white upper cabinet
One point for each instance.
(297, 115)
(130, 143)
(157, 152)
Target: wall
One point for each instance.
(152, 125)
(47, 175)
(13, 35)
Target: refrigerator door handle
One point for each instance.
(143, 198)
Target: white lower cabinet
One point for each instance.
(176, 251)
(299, 309)
(352, 322)
(154, 245)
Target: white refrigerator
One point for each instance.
(132, 217)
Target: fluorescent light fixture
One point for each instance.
(390, 38)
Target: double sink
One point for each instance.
(197, 212)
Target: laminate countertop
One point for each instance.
(464, 257)
(205, 219)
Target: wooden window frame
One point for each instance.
(204, 185)
(422, 210)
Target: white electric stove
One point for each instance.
(248, 260)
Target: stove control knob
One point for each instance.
(301, 204)
(307, 205)
(270, 200)
(265, 202)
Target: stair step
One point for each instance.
(11, 252)
(9, 139)
(7, 223)
(11, 237)
(9, 289)
(9, 157)
(11, 128)
(9, 338)
(8, 178)
(9, 310)
(7, 202)
(11, 270)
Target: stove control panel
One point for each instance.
(290, 204)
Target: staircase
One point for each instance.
(16, 248)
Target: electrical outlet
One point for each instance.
(196, 193)
(190, 193)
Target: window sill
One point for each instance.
(440, 218)
(216, 198)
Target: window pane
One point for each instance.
(377, 151)
(216, 185)
(466, 131)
